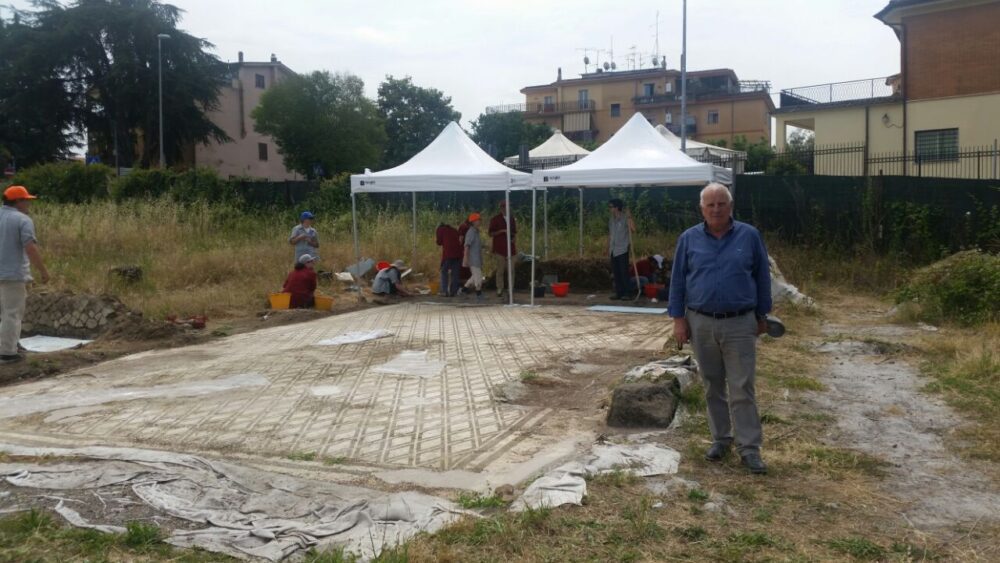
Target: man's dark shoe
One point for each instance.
(718, 451)
(614, 298)
(754, 463)
(10, 358)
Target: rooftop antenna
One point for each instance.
(656, 41)
(586, 58)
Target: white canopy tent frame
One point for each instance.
(452, 162)
(636, 155)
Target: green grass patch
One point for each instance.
(302, 456)
(692, 534)
(693, 398)
(337, 460)
(858, 548)
(697, 495)
(468, 499)
(847, 460)
(528, 376)
(616, 478)
(963, 288)
(799, 382)
(771, 418)
(141, 536)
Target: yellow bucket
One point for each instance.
(435, 287)
(280, 300)
(324, 303)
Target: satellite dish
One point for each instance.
(613, 65)
(606, 65)
(586, 60)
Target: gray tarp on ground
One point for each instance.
(247, 513)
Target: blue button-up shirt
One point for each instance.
(720, 275)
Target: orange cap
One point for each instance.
(474, 217)
(15, 193)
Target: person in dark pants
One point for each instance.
(720, 294)
(451, 259)
(619, 239)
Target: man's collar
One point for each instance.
(732, 225)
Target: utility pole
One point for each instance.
(684, 77)
(159, 55)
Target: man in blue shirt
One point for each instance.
(720, 294)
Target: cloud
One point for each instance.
(375, 36)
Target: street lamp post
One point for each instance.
(159, 50)
(684, 82)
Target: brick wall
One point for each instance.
(953, 53)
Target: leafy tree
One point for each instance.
(322, 119)
(801, 140)
(35, 109)
(502, 134)
(758, 154)
(413, 117)
(101, 57)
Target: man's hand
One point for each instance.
(681, 331)
(761, 326)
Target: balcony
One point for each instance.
(536, 109)
(655, 99)
(841, 92)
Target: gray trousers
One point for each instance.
(726, 350)
(12, 299)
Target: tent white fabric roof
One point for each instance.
(451, 163)
(636, 155)
(555, 147)
(695, 148)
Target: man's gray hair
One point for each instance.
(715, 187)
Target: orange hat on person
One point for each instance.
(15, 193)
(474, 217)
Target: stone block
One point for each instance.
(642, 405)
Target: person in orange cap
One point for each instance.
(473, 258)
(18, 251)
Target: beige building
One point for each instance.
(594, 106)
(945, 100)
(249, 154)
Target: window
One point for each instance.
(583, 98)
(259, 81)
(670, 87)
(616, 110)
(549, 101)
(262, 151)
(713, 116)
(669, 119)
(648, 89)
(937, 144)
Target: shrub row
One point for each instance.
(964, 288)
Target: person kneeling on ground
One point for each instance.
(388, 281)
(301, 283)
(648, 270)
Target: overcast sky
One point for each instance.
(482, 53)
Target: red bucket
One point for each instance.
(651, 289)
(560, 289)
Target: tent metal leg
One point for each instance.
(531, 287)
(581, 222)
(545, 223)
(357, 240)
(413, 258)
(510, 259)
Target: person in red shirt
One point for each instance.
(647, 269)
(301, 283)
(498, 230)
(451, 259)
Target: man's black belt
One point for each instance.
(726, 315)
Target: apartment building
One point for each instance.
(945, 99)
(594, 106)
(249, 154)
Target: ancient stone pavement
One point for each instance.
(422, 396)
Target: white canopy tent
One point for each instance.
(636, 155)
(452, 162)
(705, 152)
(556, 148)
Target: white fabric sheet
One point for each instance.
(414, 363)
(354, 337)
(242, 512)
(42, 344)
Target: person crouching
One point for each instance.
(301, 283)
(388, 281)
